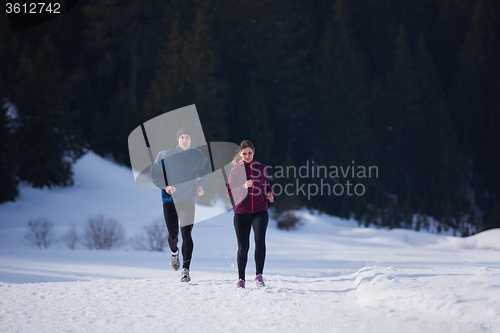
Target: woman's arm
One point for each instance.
(235, 187)
(267, 185)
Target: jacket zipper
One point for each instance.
(252, 184)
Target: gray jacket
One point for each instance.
(183, 169)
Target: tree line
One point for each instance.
(409, 86)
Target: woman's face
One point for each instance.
(247, 154)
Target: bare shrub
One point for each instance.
(288, 220)
(153, 237)
(40, 232)
(284, 214)
(70, 238)
(156, 234)
(103, 234)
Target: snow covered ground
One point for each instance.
(328, 275)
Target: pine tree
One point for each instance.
(121, 39)
(204, 87)
(168, 92)
(343, 108)
(402, 119)
(471, 105)
(274, 42)
(340, 118)
(254, 121)
(424, 155)
(120, 33)
(489, 159)
(8, 158)
(439, 154)
(48, 134)
(9, 53)
(453, 21)
(380, 31)
(8, 151)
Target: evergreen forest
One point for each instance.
(409, 86)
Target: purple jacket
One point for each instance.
(253, 199)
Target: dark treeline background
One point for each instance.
(411, 86)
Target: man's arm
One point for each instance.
(157, 173)
(202, 177)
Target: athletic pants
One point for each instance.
(184, 212)
(242, 225)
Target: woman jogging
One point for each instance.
(249, 187)
(180, 173)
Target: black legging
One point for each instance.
(184, 211)
(242, 225)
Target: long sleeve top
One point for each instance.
(184, 169)
(253, 199)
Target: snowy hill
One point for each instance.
(327, 275)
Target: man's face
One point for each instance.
(184, 141)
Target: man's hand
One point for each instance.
(270, 197)
(200, 191)
(170, 189)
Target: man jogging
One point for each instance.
(180, 173)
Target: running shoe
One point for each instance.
(185, 275)
(259, 281)
(174, 261)
(241, 284)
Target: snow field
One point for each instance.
(369, 297)
(328, 275)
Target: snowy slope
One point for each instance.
(327, 275)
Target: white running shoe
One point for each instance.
(185, 275)
(174, 261)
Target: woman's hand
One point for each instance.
(170, 189)
(270, 197)
(248, 184)
(200, 191)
